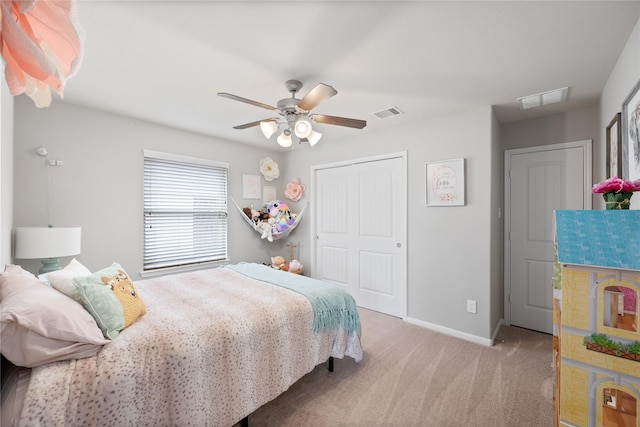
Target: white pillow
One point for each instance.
(62, 280)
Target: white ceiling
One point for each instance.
(165, 61)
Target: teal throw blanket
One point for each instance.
(333, 307)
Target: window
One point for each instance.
(185, 211)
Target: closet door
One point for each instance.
(360, 232)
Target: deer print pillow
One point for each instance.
(110, 296)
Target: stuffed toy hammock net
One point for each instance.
(276, 221)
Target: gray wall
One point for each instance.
(622, 79)
(6, 173)
(99, 187)
(449, 248)
(575, 125)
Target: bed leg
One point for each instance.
(330, 364)
(244, 422)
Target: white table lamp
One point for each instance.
(47, 244)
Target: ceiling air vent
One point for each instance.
(388, 112)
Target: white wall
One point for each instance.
(99, 187)
(622, 79)
(6, 172)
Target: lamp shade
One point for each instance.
(47, 242)
(314, 137)
(302, 128)
(268, 128)
(285, 138)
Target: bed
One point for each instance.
(211, 347)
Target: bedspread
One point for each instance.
(213, 347)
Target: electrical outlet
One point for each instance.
(471, 306)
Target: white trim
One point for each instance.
(587, 198)
(191, 267)
(451, 332)
(405, 171)
(185, 159)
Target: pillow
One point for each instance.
(39, 325)
(62, 280)
(111, 298)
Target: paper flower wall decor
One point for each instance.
(41, 43)
(294, 190)
(269, 169)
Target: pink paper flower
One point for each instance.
(41, 44)
(294, 190)
(616, 185)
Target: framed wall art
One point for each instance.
(631, 135)
(614, 147)
(250, 186)
(268, 194)
(445, 183)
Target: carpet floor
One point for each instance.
(412, 376)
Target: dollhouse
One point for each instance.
(596, 339)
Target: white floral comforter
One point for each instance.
(213, 347)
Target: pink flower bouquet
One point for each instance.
(616, 185)
(616, 192)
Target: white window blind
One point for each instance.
(185, 211)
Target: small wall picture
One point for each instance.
(445, 183)
(251, 186)
(268, 194)
(631, 135)
(614, 147)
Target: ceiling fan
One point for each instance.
(294, 114)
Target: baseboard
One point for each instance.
(453, 332)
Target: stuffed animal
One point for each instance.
(280, 212)
(266, 228)
(278, 263)
(295, 266)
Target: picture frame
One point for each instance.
(251, 186)
(631, 135)
(614, 147)
(445, 183)
(268, 194)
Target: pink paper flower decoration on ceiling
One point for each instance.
(294, 190)
(41, 45)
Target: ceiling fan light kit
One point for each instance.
(294, 114)
(314, 137)
(268, 128)
(284, 140)
(302, 127)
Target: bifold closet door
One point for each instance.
(361, 217)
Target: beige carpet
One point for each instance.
(411, 376)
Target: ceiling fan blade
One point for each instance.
(320, 93)
(340, 121)
(252, 124)
(245, 100)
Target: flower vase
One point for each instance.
(617, 200)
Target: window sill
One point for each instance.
(173, 270)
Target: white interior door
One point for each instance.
(360, 232)
(539, 181)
